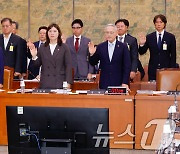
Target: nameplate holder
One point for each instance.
(117, 90)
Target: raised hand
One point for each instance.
(142, 39)
(32, 49)
(92, 48)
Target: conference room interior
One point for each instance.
(147, 104)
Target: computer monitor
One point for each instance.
(29, 127)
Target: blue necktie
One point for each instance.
(159, 41)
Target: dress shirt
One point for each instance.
(40, 43)
(52, 48)
(111, 47)
(78, 40)
(123, 37)
(157, 35)
(6, 40)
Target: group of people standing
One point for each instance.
(116, 57)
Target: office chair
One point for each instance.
(8, 77)
(168, 79)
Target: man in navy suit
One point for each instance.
(123, 36)
(162, 47)
(114, 57)
(15, 27)
(79, 52)
(1, 68)
(11, 46)
(34, 70)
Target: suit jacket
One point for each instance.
(159, 58)
(1, 66)
(56, 68)
(24, 60)
(12, 58)
(80, 60)
(116, 71)
(133, 48)
(33, 70)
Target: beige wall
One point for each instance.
(95, 15)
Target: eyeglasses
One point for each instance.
(76, 27)
(5, 26)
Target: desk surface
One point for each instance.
(84, 85)
(120, 110)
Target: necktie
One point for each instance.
(41, 44)
(120, 38)
(159, 41)
(77, 44)
(110, 50)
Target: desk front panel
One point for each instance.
(120, 111)
(149, 109)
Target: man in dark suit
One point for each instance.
(11, 45)
(114, 57)
(123, 36)
(35, 70)
(1, 68)
(162, 47)
(15, 27)
(78, 46)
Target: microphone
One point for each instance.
(33, 75)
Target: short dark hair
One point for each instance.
(6, 19)
(59, 40)
(16, 23)
(162, 17)
(77, 21)
(125, 21)
(42, 27)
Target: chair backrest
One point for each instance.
(168, 79)
(8, 77)
(145, 78)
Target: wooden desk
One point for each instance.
(77, 85)
(120, 110)
(148, 85)
(134, 86)
(148, 108)
(29, 84)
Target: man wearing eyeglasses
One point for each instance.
(78, 46)
(115, 62)
(11, 45)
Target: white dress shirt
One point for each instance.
(6, 40)
(111, 47)
(157, 35)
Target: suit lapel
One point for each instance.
(2, 42)
(164, 39)
(116, 48)
(48, 53)
(56, 51)
(9, 43)
(72, 44)
(155, 41)
(106, 52)
(81, 43)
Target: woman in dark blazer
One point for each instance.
(1, 68)
(55, 58)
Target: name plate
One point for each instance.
(117, 90)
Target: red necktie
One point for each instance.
(77, 44)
